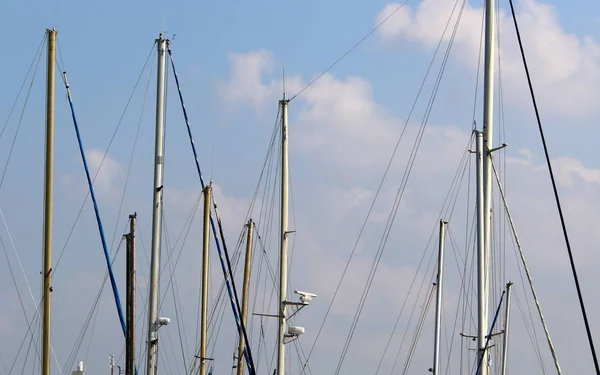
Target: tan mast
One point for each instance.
(48, 189)
(245, 295)
(205, 258)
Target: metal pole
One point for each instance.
(48, 193)
(482, 318)
(506, 322)
(283, 237)
(157, 207)
(488, 127)
(438, 304)
(245, 295)
(205, 254)
(130, 281)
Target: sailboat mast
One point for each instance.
(48, 189)
(283, 236)
(481, 287)
(205, 258)
(245, 295)
(153, 323)
(506, 325)
(438, 305)
(130, 312)
(488, 132)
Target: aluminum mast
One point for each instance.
(153, 323)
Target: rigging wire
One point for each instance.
(377, 193)
(351, 49)
(556, 197)
(14, 140)
(34, 323)
(401, 188)
(418, 331)
(96, 210)
(3, 364)
(88, 320)
(447, 205)
(530, 329)
(31, 341)
(527, 272)
(130, 164)
(228, 277)
(462, 294)
(14, 279)
(72, 230)
(175, 293)
(33, 62)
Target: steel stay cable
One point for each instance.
(418, 331)
(530, 329)
(114, 134)
(3, 364)
(556, 197)
(414, 307)
(175, 292)
(33, 300)
(402, 186)
(351, 49)
(96, 211)
(130, 164)
(14, 140)
(31, 341)
(12, 108)
(33, 322)
(81, 336)
(376, 196)
(527, 272)
(461, 294)
(228, 278)
(12, 274)
(446, 204)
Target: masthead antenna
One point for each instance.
(284, 83)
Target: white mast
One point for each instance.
(153, 323)
(283, 237)
(481, 277)
(438, 306)
(488, 128)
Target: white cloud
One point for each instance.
(107, 182)
(246, 80)
(565, 67)
(109, 173)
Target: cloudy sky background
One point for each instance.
(343, 131)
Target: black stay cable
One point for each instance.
(560, 213)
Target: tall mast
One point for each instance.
(488, 132)
(48, 189)
(205, 250)
(130, 283)
(153, 323)
(245, 295)
(283, 237)
(438, 305)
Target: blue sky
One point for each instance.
(343, 129)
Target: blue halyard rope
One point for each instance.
(232, 293)
(113, 283)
